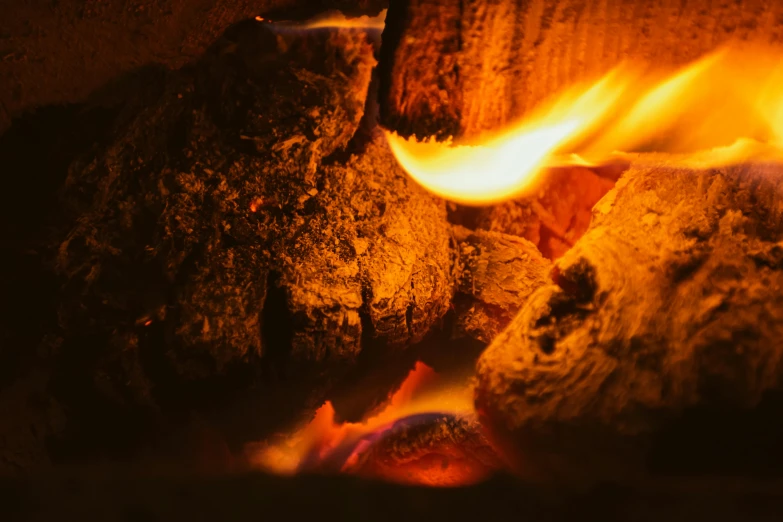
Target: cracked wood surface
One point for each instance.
(462, 67)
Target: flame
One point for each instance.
(334, 20)
(326, 445)
(725, 108)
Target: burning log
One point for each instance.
(671, 300)
(500, 272)
(461, 67)
(217, 228)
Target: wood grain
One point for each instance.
(461, 68)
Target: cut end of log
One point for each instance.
(462, 68)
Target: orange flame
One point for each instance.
(724, 108)
(319, 441)
(335, 20)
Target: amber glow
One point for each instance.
(724, 108)
(257, 202)
(335, 20)
(326, 445)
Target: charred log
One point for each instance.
(671, 300)
(211, 214)
(496, 274)
(458, 68)
(499, 273)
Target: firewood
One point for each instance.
(499, 273)
(671, 300)
(211, 230)
(495, 275)
(458, 68)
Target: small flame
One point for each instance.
(727, 107)
(336, 20)
(325, 444)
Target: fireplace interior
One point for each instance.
(387, 259)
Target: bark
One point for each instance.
(459, 68)
(671, 301)
(210, 232)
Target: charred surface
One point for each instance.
(210, 249)
(421, 44)
(459, 68)
(670, 302)
(499, 274)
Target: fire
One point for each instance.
(335, 20)
(340, 21)
(724, 108)
(325, 445)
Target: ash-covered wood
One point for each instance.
(210, 232)
(499, 274)
(458, 68)
(671, 301)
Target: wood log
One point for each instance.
(670, 302)
(496, 274)
(459, 68)
(499, 273)
(210, 233)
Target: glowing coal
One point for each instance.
(426, 434)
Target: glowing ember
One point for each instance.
(428, 449)
(727, 107)
(257, 202)
(446, 455)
